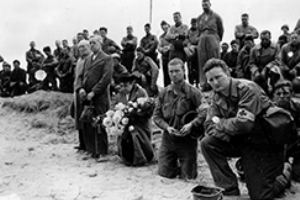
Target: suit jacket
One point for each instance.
(97, 76)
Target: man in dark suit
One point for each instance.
(96, 79)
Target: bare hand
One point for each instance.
(90, 96)
(186, 129)
(172, 130)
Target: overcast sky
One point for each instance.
(48, 20)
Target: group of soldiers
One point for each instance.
(223, 102)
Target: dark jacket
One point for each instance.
(237, 110)
(97, 76)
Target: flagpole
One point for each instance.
(150, 12)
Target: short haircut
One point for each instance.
(265, 32)
(80, 33)
(233, 42)
(47, 48)
(103, 29)
(85, 31)
(163, 22)
(213, 63)
(147, 25)
(245, 15)
(176, 61)
(16, 61)
(177, 13)
(224, 43)
(285, 26)
(193, 20)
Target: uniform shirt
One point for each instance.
(242, 65)
(231, 60)
(148, 68)
(236, 108)
(212, 25)
(51, 63)
(260, 57)
(164, 45)
(119, 69)
(33, 55)
(193, 36)
(171, 107)
(175, 30)
(289, 57)
(109, 46)
(149, 43)
(240, 32)
(129, 43)
(18, 75)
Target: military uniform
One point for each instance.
(290, 60)
(241, 31)
(164, 49)
(129, 44)
(177, 43)
(233, 129)
(211, 33)
(260, 57)
(147, 72)
(109, 46)
(149, 43)
(169, 111)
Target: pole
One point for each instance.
(150, 12)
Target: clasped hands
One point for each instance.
(185, 130)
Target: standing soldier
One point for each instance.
(129, 44)
(176, 36)
(149, 44)
(243, 30)
(34, 60)
(164, 49)
(211, 30)
(49, 65)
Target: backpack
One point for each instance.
(279, 126)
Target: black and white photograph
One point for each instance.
(150, 100)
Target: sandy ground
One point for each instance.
(37, 164)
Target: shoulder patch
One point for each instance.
(245, 114)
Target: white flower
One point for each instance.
(107, 122)
(120, 106)
(130, 103)
(130, 110)
(135, 105)
(131, 128)
(125, 121)
(110, 113)
(117, 116)
(290, 54)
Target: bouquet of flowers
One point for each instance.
(123, 117)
